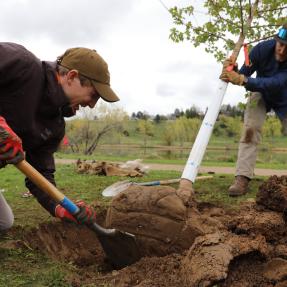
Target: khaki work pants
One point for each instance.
(254, 117)
(6, 214)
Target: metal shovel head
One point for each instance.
(120, 247)
(116, 188)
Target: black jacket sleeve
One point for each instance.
(43, 161)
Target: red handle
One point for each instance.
(246, 55)
(230, 68)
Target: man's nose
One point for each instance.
(283, 49)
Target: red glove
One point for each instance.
(64, 215)
(11, 149)
(86, 215)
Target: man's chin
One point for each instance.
(68, 111)
(280, 58)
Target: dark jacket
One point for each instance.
(32, 101)
(271, 78)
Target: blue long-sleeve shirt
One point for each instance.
(271, 78)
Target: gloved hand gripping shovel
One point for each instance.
(120, 247)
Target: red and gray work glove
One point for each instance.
(11, 150)
(233, 77)
(230, 72)
(87, 215)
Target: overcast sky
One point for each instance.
(148, 71)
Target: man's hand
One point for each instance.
(185, 192)
(87, 215)
(229, 62)
(11, 150)
(232, 77)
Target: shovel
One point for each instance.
(120, 247)
(119, 186)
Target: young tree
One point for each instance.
(227, 23)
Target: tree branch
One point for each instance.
(215, 35)
(271, 10)
(263, 26)
(263, 38)
(241, 38)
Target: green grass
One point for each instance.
(25, 267)
(29, 213)
(278, 162)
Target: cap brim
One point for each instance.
(105, 92)
(280, 40)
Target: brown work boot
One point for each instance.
(239, 187)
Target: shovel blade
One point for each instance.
(120, 247)
(116, 188)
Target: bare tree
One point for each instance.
(93, 125)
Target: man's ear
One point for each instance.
(72, 74)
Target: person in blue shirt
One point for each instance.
(268, 91)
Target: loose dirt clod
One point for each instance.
(207, 261)
(159, 219)
(272, 194)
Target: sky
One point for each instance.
(149, 72)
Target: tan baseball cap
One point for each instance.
(92, 66)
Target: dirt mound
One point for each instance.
(148, 272)
(207, 261)
(66, 242)
(180, 246)
(272, 194)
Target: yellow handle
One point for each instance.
(38, 179)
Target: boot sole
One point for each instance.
(234, 194)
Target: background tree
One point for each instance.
(159, 118)
(185, 129)
(231, 111)
(193, 112)
(145, 128)
(85, 133)
(178, 113)
(271, 127)
(224, 20)
(227, 126)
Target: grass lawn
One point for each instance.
(25, 267)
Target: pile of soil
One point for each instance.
(179, 245)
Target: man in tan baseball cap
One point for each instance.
(88, 65)
(32, 123)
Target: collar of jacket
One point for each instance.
(53, 90)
